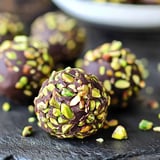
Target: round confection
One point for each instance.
(119, 70)
(63, 34)
(71, 104)
(10, 25)
(24, 64)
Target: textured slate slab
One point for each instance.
(140, 145)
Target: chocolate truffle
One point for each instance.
(118, 69)
(24, 65)
(71, 104)
(10, 25)
(63, 34)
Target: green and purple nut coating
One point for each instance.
(63, 34)
(71, 103)
(24, 65)
(10, 25)
(118, 69)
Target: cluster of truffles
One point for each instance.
(71, 103)
(24, 64)
(62, 33)
(118, 69)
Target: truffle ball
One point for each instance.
(10, 25)
(119, 70)
(63, 34)
(24, 65)
(71, 104)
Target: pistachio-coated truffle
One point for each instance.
(71, 104)
(24, 65)
(10, 25)
(118, 69)
(63, 34)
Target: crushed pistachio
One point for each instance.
(31, 119)
(100, 140)
(119, 133)
(112, 122)
(6, 107)
(31, 108)
(145, 125)
(27, 131)
(156, 129)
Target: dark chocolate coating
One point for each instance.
(10, 25)
(24, 65)
(118, 69)
(71, 104)
(63, 34)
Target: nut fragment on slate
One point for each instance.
(71, 103)
(27, 131)
(6, 107)
(119, 133)
(145, 125)
(63, 34)
(10, 26)
(25, 64)
(119, 70)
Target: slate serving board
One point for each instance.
(140, 145)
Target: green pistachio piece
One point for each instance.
(145, 125)
(54, 103)
(66, 128)
(67, 93)
(122, 84)
(6, 107)
(27, 131)
(53, 121)
(92, 105)
(115, 45)
(56, 112)
(62, 120)
(107, 85)
(102, 70)
(50, 125)
(67, 78)
(136, 79)
(11, 55)
(96, 93)
(66, 111)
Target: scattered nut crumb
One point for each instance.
(6, 107)
(156, 129)
(31, 119)
(100, 140)
(31, 108)
(27, 131)
(119, 133)
(153, 104)
(145, 125)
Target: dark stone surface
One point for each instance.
(140, 145)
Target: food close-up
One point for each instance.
(79, 80)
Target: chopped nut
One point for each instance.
(100, 140)
(156, 129)
(6, 107)
(145, 125)
(31, 119)
(27, 131)
(113, 123)
(119, 133)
